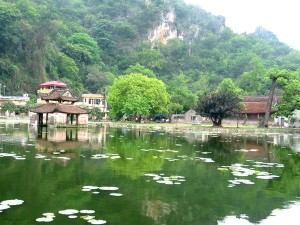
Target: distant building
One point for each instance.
(94, 101)
(189, 117)
(256, 106)
(47, 87)
(292, 121)
(17, 100)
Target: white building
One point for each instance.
(94, 101)
(292, 121)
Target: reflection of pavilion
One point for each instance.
(64, 139)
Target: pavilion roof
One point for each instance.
(60, 95)
(62, 108)
(54, 83)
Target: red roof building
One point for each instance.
(256, 106)
(47, 87)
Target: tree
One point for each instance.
(291, 97)
(222, 103)
(8, 106)
(274, 74)
(137, 95)
(182, 97)
(137, 68)
(82, 48)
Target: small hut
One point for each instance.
(59, 110)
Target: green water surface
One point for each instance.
(159, 178)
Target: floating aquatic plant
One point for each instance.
(116, 194)
(44, 219)
(241, 170)
(68, 211)
(12, 202)
(93, 221)
(161, 179)
(104, 188)
(87, 211)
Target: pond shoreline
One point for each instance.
(200, 128)
(176, 127)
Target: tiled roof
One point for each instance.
(55, 83)
(63, 108)
(60, 95)
(258, 104)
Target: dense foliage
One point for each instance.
(223, 103)
(88, 43)
(136, 95)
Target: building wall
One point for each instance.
(94, 100)
(189, 117)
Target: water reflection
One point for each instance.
(101, 156)
(51, 140)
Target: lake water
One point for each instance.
(125, 176)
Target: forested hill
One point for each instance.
(87, 43)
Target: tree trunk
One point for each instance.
(217, 122)
(269, 104)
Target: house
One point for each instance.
(59, 109)
(94, 101)
(17, 100)
(189, 117)
(256, 106)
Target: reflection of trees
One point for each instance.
(134, 161)
(156, 209)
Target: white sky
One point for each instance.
(282, 17)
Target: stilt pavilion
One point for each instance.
(59, 110)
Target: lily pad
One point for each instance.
(116, 194)
(68, 211)
(104, 188)
(44, 219)
(97, 221)
(87, 211)
(12, 202)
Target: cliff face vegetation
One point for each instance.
(88, 43)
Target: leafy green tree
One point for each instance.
(96, 114)
(222, 103)
(254, 81)
(8, 106)
(137, 68)
(291, 97)
(137, 95)
(9, 14)
(82, 48)
(182, 97)
(96, 79)
(274, 74)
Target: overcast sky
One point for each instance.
(282, 17)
